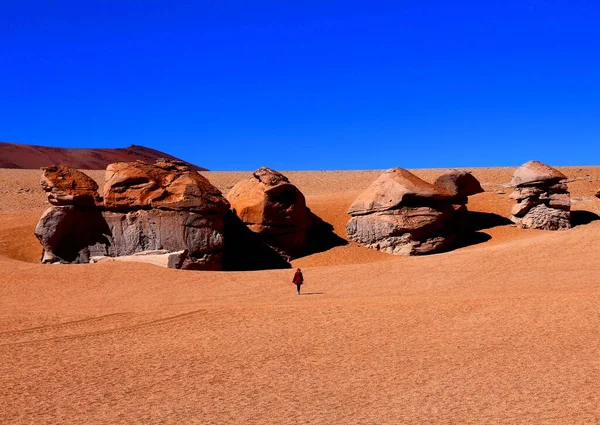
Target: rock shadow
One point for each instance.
(245, 250)
(580, 217)
(476, 221)
(320, 238)
(471, 238)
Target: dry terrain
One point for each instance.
(15, 155)
(504, 330)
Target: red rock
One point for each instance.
(274, 208)
(169, 185)
(458, 184)
(67, 186)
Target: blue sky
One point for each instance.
(234, 85)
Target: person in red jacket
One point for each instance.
(298, 279)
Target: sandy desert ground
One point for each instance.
(506, 330)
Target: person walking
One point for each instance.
(298, 279)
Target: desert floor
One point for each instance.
(506, 330)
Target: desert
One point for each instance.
(502, 329)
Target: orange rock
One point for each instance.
(169, 185)
(67, 186)
(459, 184)
(274, 208)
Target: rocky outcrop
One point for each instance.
(66, 186)
(164, 206)
(403, 215)
(543, 200)
(272, 207)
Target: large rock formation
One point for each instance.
(164, 206)
(542, 196)
(403, 215)
(275, 209)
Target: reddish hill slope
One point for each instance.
(14, 155)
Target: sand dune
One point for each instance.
(505, 330)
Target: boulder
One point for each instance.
(403, 215)
(67, 186)
(275, 209)
(168, 184)
(543, 200)
(459, 185)
(598, 194)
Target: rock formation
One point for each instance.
(66, 186)
(146, 207)
(459, 185)
(275, 209)
(403, 215)
(542, 197)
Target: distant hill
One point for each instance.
(13, 155)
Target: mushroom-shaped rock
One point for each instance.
(403, 215)
(168, 184)
(458, 184)
(543, 200)
(391, 189)
(67, 186)
(275, 209)
(534, 173)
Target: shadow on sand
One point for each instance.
(579, 218)
(312, 293)
(245, 250)
(483, 220)
(476, 221)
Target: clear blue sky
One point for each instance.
(307, 84)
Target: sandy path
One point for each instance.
(505, 331)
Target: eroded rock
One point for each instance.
(275, 209)
(147, 207)
(403, 215)
(543, 200)
(67, 186)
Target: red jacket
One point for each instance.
(298, 278)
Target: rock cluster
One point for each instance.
(272, 207)
(146, 207)
(404, 215)
(542, 196)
